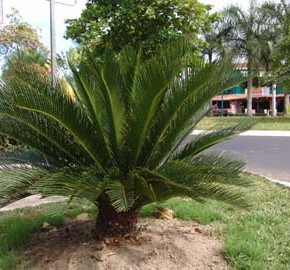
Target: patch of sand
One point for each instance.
(160, 244)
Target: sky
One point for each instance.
(36, 13)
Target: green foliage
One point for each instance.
(119, 139)
(247, 35)
(214, 46)
(20, 43)
(18, 36)
(280, 14)
(146, 23)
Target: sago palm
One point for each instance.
(118, 141)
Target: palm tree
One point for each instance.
(277, 16)
(117, 143)
(213, 39)
(247, 39)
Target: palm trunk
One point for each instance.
(250, 88)
(112, 223)
(286, 104)
(249, 98)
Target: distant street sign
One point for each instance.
(65, 2)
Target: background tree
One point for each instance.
(119, 142)
(248, 39)
(213, 37)
(277, 15)
(146, 23)
(18, 36)
(20, 42)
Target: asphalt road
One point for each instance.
(268, 156)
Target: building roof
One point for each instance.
(230, 97)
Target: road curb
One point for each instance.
(279, 182)
(258, 133)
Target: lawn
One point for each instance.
(253, 239)
(262, 122)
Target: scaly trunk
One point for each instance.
(112, 223)
(250, 88)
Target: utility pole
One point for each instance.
(52, 43)
(53, 65)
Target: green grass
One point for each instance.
(254, 239)
(203, 213)
(263, 122)
(260, 239)
(16, 226)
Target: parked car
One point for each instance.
(224, 111)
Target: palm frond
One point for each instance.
(206, 168)
(208, 139)
(151, 85)
(86, 93)
(17, 180)
(198, 187)
(24, 156)
(60, 109)
(121, 195)
(185, 107)
(165, 188)
(72, 182)
(110, 91)
(42, 134)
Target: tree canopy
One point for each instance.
(18, 35)
(248, 36)
(20, 42)
(146, 23)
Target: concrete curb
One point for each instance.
(261, 133)
(282, 183)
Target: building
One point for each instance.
(234, 101)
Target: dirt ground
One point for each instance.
(159, 244)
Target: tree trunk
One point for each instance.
(112, 223)
(286, 104)
(249, 98)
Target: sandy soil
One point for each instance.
(159, 244)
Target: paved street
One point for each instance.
(269, 156)
(265, 155)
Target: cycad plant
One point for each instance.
(117, 141)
